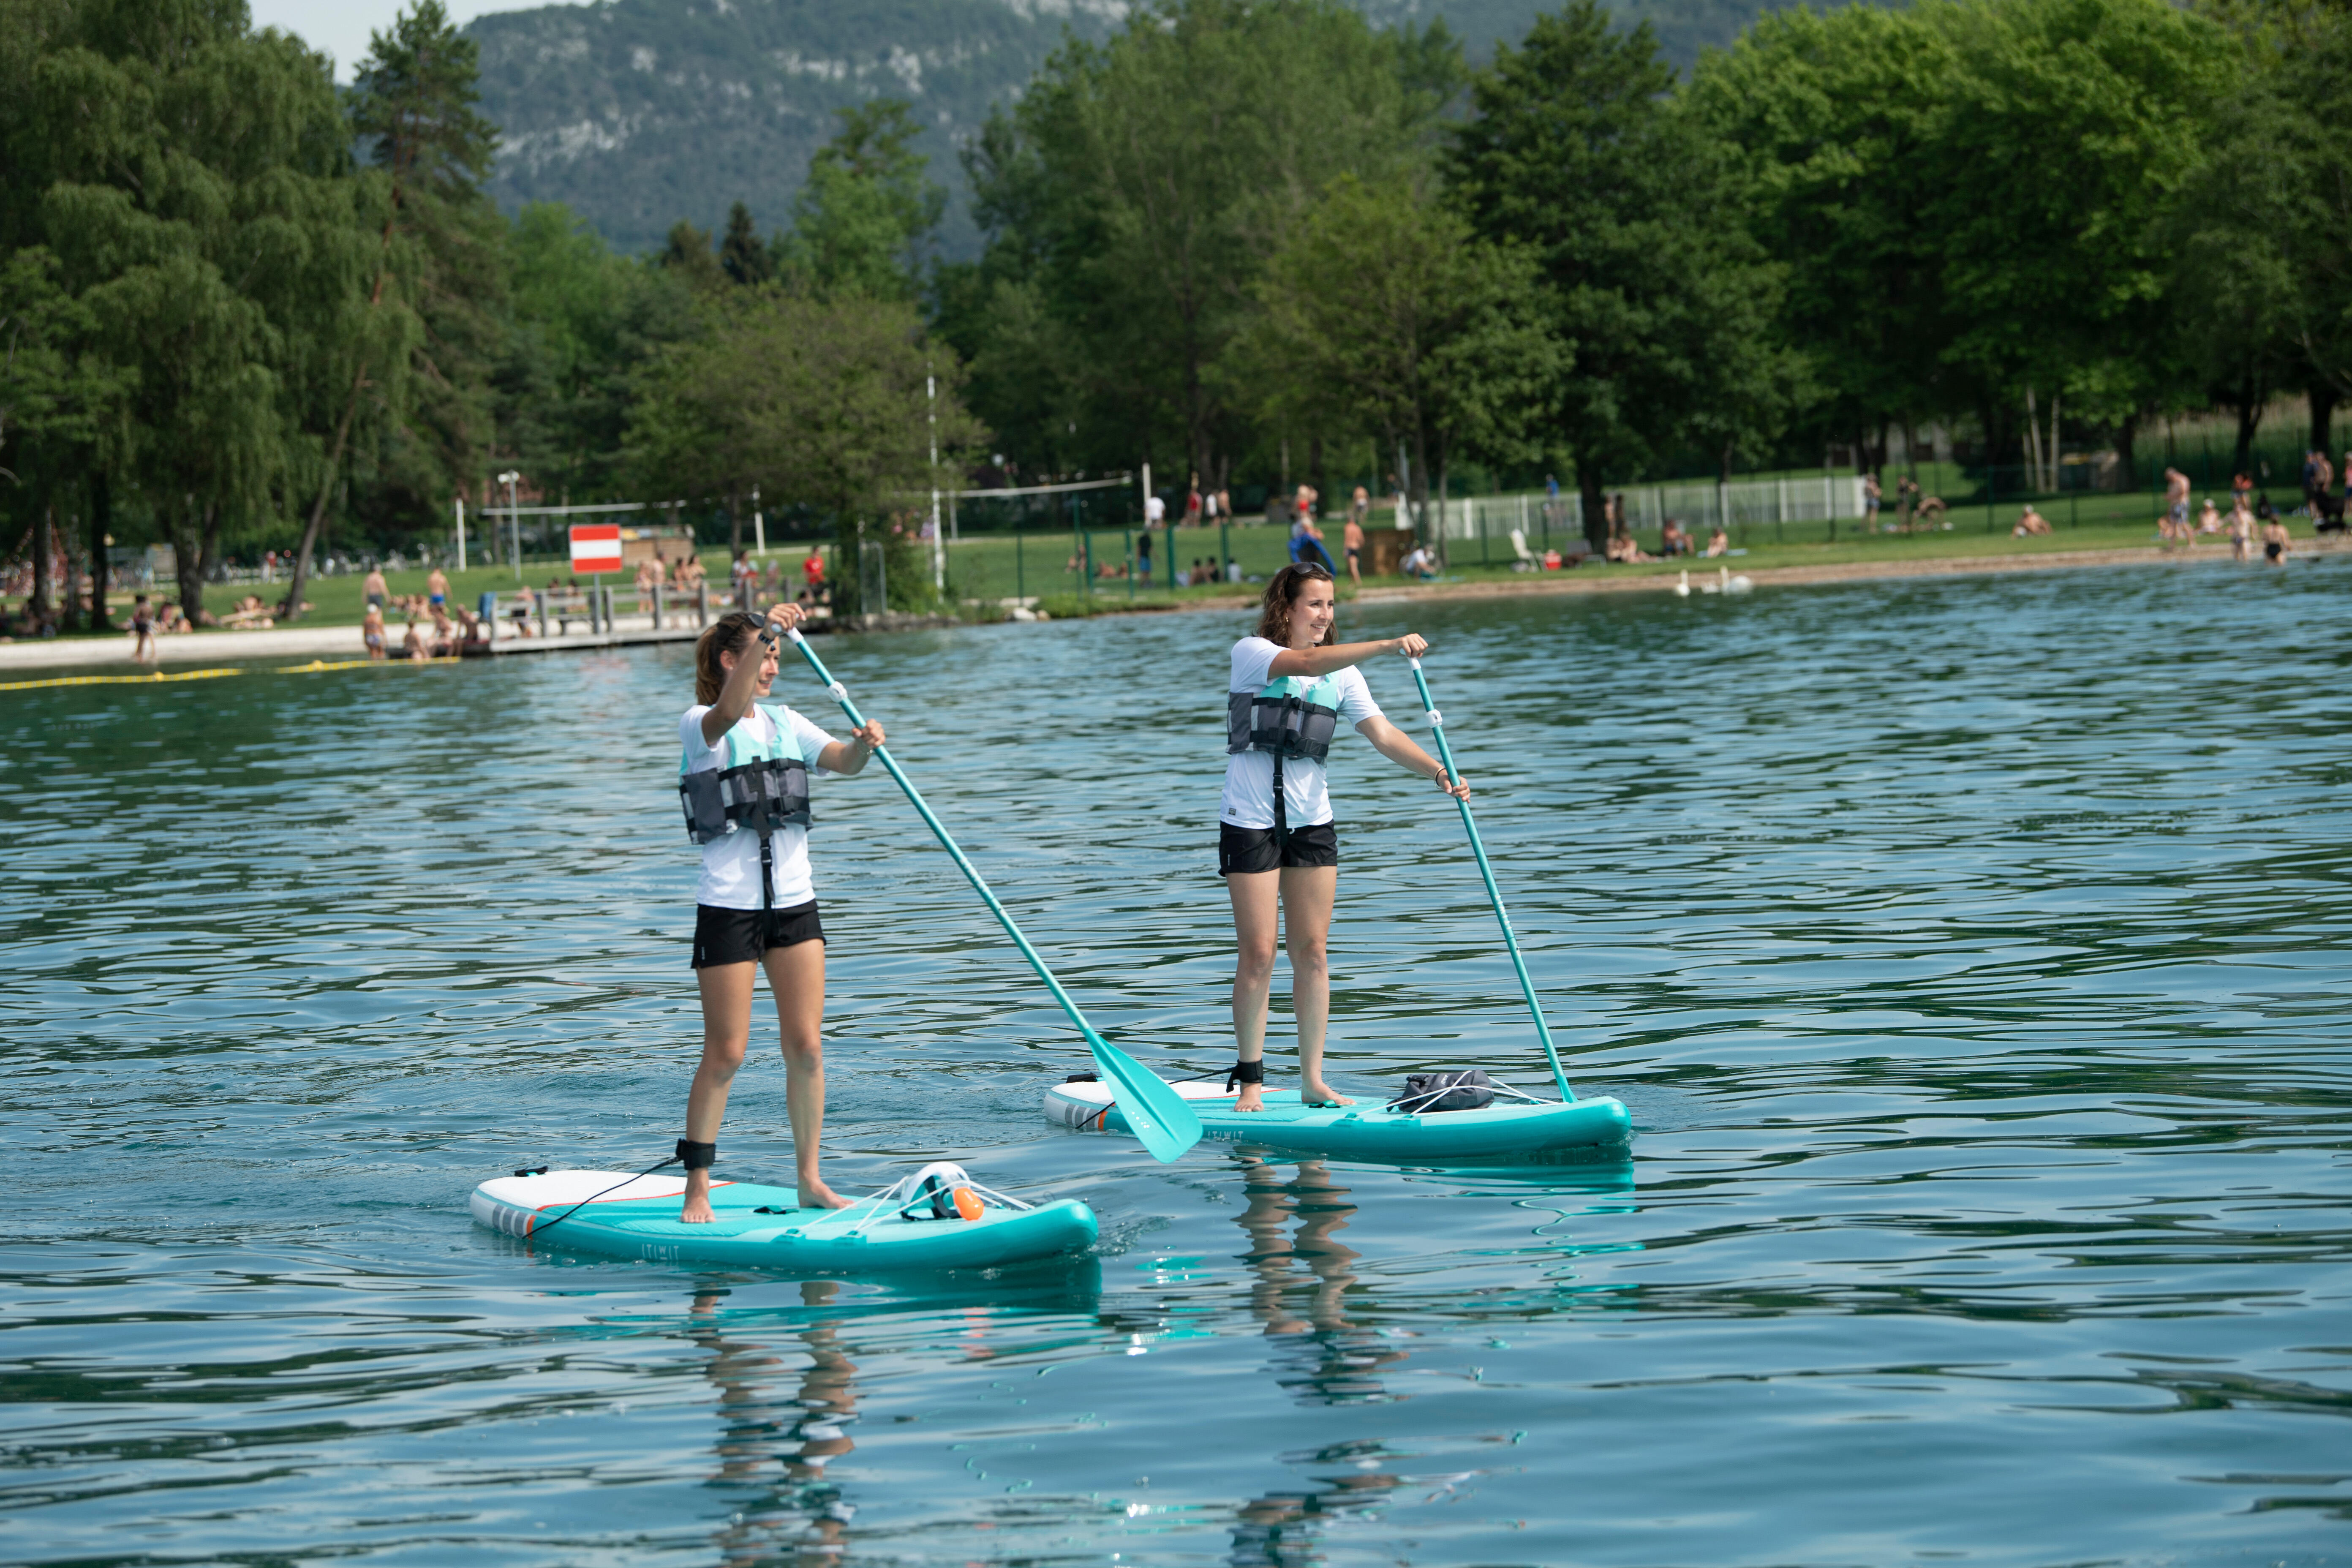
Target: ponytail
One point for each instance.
(731, 632)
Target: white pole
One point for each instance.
(514, 527)
(758, 523)
(460, 504)
(939, 540)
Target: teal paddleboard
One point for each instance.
(1366, 1130)
(764, 1227)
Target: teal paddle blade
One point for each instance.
(1155, 1112)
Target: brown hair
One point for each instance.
(1282, 594)
(731, 632)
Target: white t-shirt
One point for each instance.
(1249, 775)
(1154, 509)
(731, 866)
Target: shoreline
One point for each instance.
(112, 654)
(1569, 582)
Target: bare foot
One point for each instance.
(815, 1195)
(1253, 1097)
(696, 1210)
(1322, 1094)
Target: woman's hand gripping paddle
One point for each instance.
(1156, 1113)
(1445, 755)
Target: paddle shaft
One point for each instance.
(1502, 917)
(923, 809)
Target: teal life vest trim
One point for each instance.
(761, 787)
(1291, 717)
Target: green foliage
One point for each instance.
(818, 402)
(863, 223)
(1384, 315)
(1138, 188)
(1636, 225)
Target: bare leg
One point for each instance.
(726, 1030)
(796, 976)
(1254, 922)
(1308, 893)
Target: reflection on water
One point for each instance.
(1318, 1352)
(1982, 1032)
(803, 1511)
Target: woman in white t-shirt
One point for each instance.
(745, 921)
(1279, 851)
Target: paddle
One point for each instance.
(1445, 755)
(1157, 1113)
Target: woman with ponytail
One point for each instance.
(743, 781)
(1277, 843)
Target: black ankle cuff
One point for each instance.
(1246, 1072)
(696, 1156)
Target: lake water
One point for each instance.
(1972, 954)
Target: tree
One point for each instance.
(1140, 187)
(584, 325)
(193, 183)
(863, 222)
(1384, 314)
(742, 255)
(819, 402)
(413, 107)
(1638, 229)
(2257, 229)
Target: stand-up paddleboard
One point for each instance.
(764, 1227)
(1366, 1130)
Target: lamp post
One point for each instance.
(939, 541)
(514, 524)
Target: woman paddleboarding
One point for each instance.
(743, 781)
(1278, 847)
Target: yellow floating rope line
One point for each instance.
(318, 666)
(117, 679)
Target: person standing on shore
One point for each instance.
(436, 589)
(373, 591)
(2176, 504)
(743, 779)
(1871, 496)
(1277, 843)
(1352, 539)
(142, 632)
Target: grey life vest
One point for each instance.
(761, 787)
(1292, 717)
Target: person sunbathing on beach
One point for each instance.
(1718, 543)
(2209, 520)
(2031, 524)
(1622, 548)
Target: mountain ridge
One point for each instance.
(637, 113)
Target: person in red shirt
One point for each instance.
(813, 569)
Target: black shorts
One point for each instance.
(742, 936)
(1251, 850)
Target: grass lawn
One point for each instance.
(995, 567)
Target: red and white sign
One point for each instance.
(595, 547)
